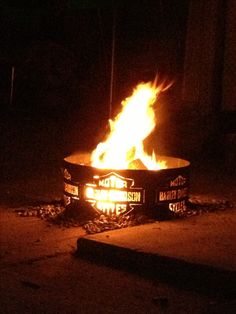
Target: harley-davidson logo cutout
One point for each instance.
(113, 194)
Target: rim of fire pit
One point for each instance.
(83, 159)
(153, 190)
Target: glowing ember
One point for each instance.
(123, 148)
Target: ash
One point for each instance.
(83, 214)
(105, 223)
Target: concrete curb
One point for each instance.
(205, 279)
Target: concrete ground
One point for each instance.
(41, 270)
(40, 273)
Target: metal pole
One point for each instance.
(112, 62)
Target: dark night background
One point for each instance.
(66, 46)
(61, 54)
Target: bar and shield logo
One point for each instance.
(175, 194)
(113, 194)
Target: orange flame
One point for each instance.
(123, 148)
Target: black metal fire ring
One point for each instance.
(121, 191)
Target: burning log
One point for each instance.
(137, 164)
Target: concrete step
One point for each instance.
(197, 252)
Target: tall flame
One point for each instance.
(123, 148)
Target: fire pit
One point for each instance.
(119, 175)
(120, 191)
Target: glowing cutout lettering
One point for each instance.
(113, 194)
